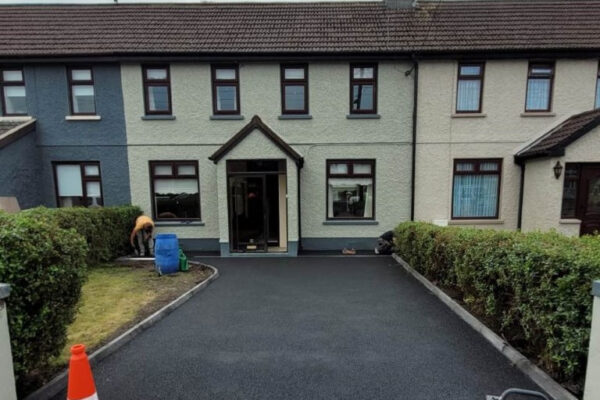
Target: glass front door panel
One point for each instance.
(247, 206)
(593, 200)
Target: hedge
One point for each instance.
(532, 288)
(44, 257)
(106, 230)
(45, 266)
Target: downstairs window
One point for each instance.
(350, 189)
(476, 188)
(78, 184)
(175, 190)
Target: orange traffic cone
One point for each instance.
(81, 382)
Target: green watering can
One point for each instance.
(183, 262)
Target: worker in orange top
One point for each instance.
(143, 230)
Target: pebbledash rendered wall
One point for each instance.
(542, 197)
(192, 135)
(499, 131)
(58, 139)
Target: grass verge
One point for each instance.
(115, 297)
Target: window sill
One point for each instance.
(569, 221)
(363, 116)
(295, 116)
(16, 118)
(158, 117)
(179, 223)
(468, 115)
(476, 222)
(538, 114)
(351, 222)
(83, 118)
(226, 117)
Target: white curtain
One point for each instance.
(598, 93)
(538, 94)
(468, 95)
(175, 186)
(475, 196)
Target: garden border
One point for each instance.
(522, 363)
(59, 382)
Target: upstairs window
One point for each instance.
(294, 89)
(476, 188)
(157, 89)
(175, 190)
(469, 88)
(78, 184)
(226, 89)
(12, 84)
(363, 89)
(350, 189)
(539, 87)
(597, 102)
(81, 88)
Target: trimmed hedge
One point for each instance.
(44, 257)
(106, 230)
(45, 266)
(532, 288)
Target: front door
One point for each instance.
(247, 213)
(589, 200)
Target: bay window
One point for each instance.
(539, 87)
(175, 190)
(476, 188)
(78, 184)
(12, 90)
(81, 89)
(350, 189)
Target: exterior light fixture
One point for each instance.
(557, 169)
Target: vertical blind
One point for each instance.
(538, 94)
(475, 196)
(468, 95)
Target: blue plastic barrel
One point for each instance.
(166, 253)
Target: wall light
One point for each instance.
(557, 169)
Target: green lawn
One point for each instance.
(115, 297)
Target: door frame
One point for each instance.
(583, 191)
(263, 175)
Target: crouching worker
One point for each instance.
(143, 232)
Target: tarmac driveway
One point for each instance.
(308, 328)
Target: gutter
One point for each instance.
(414, 137)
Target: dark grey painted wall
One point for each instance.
(60, 140)
(20, 171)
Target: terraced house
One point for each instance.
(268, 128)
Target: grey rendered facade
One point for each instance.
(26, 164)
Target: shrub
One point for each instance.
(45, 266)
(532, 288)
(106, 230)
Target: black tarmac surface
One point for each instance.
(308, 328)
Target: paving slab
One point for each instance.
(308, 328)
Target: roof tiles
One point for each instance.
(554, 141)
(269, 28)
